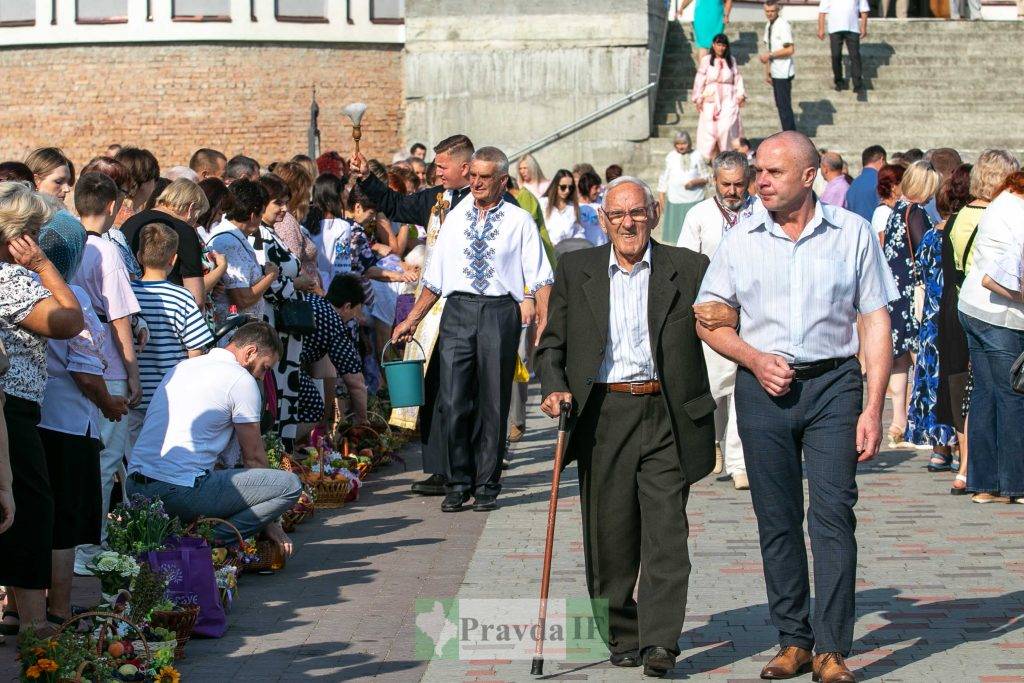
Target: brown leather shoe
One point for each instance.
(830, 668)
(792, 661)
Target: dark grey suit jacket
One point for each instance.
(572, 347)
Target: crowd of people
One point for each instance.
(930, 213)
(157, 321)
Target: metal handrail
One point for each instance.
(581, 122)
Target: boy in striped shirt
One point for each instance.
(177, 330)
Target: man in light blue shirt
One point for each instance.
(800, 273)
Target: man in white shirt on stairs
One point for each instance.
(847, 23)
(778, 61)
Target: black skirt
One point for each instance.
(74, 466)
(26, 546)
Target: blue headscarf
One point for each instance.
(63, 241)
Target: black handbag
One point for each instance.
(294, 317)
(1017, 374)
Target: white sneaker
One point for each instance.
(719, 461)
(740, 482)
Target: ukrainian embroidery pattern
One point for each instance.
(479, 252)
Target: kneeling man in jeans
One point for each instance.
(199, 406)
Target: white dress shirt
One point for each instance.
(777, 35)
(562, 223)
(843, 15)
(627, 355)
(704, 226)
(1000, 229)
(64, 407)
(800, 299)
(679, 170)
(493, 254)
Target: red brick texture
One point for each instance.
(172, 99)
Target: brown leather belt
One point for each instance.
(635, 388)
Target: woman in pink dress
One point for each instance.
(718, 94)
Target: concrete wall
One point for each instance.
(511, 71)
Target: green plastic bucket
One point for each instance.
(405, 379)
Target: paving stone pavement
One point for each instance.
(939, 594)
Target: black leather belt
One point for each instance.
(805, 371)
(140, 478)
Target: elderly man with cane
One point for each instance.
(621, 346)
(487, 260)
(800, 273)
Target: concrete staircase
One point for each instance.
(930, 83)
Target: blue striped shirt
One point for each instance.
(175, 327)
(800, 299)
(627, 355)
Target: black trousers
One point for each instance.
(817, 420)
(852, 40)
(633, 496)
(783, 89)
(477, 343)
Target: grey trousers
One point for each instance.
(248, 498)
(633, 496)
(520, 391)
(811, 430)
(477, 345)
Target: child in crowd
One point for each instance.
(177, 329)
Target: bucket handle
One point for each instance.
(388, 344)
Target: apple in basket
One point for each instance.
(366, 453)
(116, 649)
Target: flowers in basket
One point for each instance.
(139, 525)
(227, 583)
(114, 570)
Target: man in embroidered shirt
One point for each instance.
(800, 272)
(487, 255)
(703, 229)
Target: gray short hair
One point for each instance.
(493, 155)
(629, 180)
(23, 211)
(730, 160)
(683, 136)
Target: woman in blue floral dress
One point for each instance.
(903, 233)
(923, 426)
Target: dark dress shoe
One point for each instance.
(485, 502)
(625, 659)
(431, 486)
(658, 661)
(829, 667)
(453, 502)
(790, 662)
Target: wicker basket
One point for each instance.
(101, 640)
(232, 559)
(269, 558)
(328, 493)
(181, 622)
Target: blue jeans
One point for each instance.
(248, 498)
(994, 430)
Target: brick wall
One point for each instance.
(172, 99)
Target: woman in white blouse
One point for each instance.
(562, 209)
(992, 313)
(681, 186)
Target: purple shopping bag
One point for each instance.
(188, 566)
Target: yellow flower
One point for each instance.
(168, 674)
(38, 651)
(47, 665)
(32, 672)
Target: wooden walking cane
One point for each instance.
(545, 579)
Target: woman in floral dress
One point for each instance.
(904, 232)
(923, 426)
